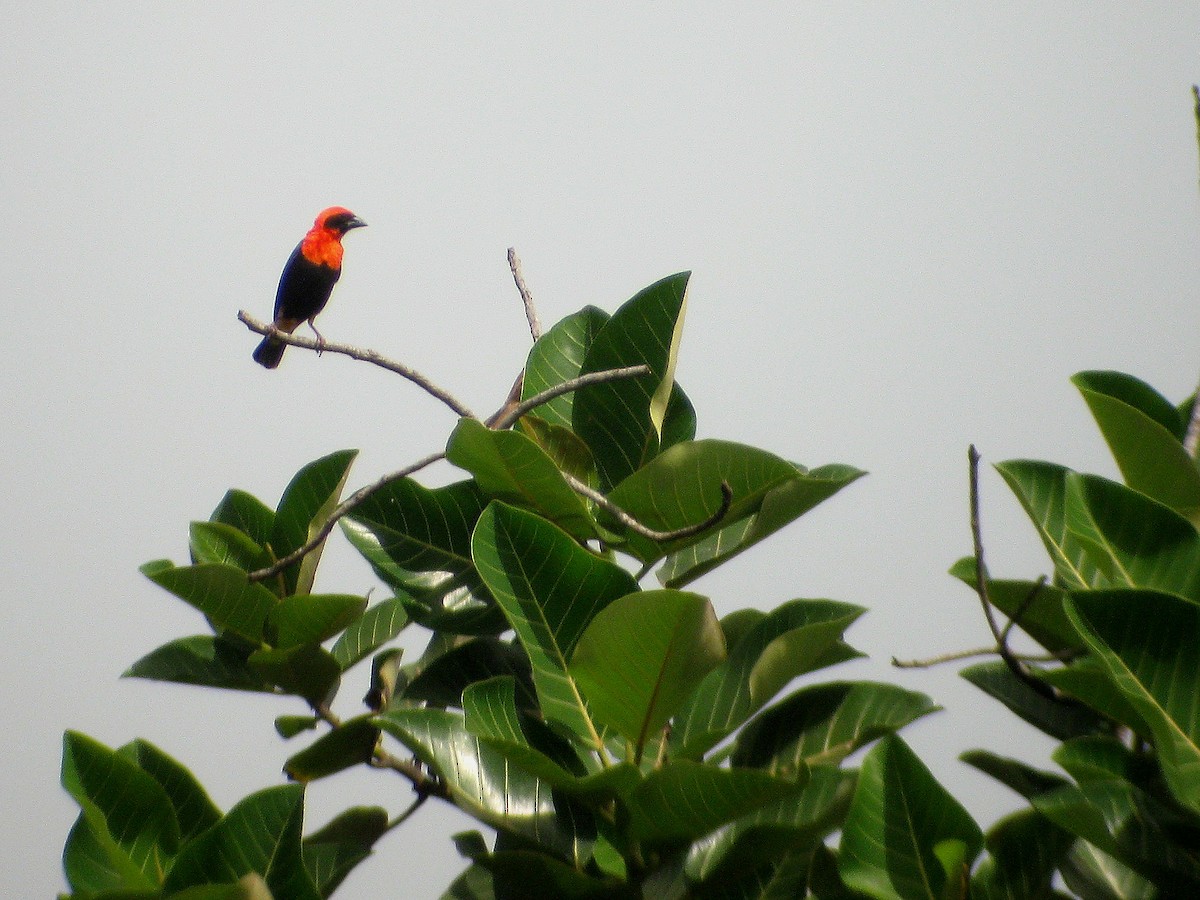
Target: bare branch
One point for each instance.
(649, 533)
(342, 509)
(361, 354)
(514, 263)
(507, 416)
(966, 654)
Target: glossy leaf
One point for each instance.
(307, 502)
(247, 514)
(793, 639)
(216, 542)
(550, 588)
(686, 800)
(565, 449)
(624, 421)
(350, 744)
(642, 655)
(127, 815)
(442, 681)
(260, 834)
(825, 723)
(374, 628)
(201, 660)
(1145, 433)
(1147, 643)
(557, 357)
(223, 594)
(509, 466)
(904, 835)
(779, 506)
(485, 784)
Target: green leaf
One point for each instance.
(311, 618)
(260, 834)
(518, 874)
(194, 811)
(1131, 539)
(1145, 433)
(247, 514)
(1086, 680)
(201, 660)
(549, 588)
(1024, 779)
(566, 450)
(642, 655)
(558, 357)
(771, 832)
(1024, 850)
(442, 681)
(825, 723)
(306, 671)
(1038, 608)
(624, 422)
(686, 800)
(128, 819)
(331, 852)
(779, 506)
(287, 727)
(372, 630)
(307, 502)
(1041, 488)
(510, 467)
(216, 542)
(1057, 718)
(223, 594)
(1147, 643)
(898, 821)
(484, 784)
(1090, 872)
(793, 639)
(350, 744)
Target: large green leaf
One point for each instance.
(1024, 851)
(905, 836)
(825, 723)
(194, 811)
(686, 800)
(1145, 433)
(782, 827)
(1123, 821)
(306, 504)
(223, 594)
(1087, 681)
(331, 852)
(311, 618)
(1148, 645)
(350, 744)
(247, 514)
(1041, 488)
(791, 640)
(127, 820)
(369, 632)
(550, 588)
(509, 466)
(1090, 872)
(260, 834)
(778, 506)
(1024, 779)
(626, 422)
(682, 487)
(216, 542)
(642, 655)
(203, 660)
(307, 671)
(1132, 540)
(486, 785)
(558, 357)
(1058, 718)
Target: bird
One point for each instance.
(307, 280)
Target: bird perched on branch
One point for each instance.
(308, 279)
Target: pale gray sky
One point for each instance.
(909, 225)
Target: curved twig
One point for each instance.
(507, 416)
(361, 354)
(649, 533)
(341, 510)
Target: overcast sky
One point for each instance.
(909, 225)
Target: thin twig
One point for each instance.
(361, 354)
(932, 661)
(649, 533)
(514, 263)
(1023, 608)
(510, 415)
(342, 509)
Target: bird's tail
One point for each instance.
(269, 352)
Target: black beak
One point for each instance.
(355, 222)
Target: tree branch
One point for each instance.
(649, 533)
(342, 509)
(514, 263)
(361, 354)
(508, 415)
